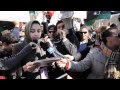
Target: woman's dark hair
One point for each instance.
(35, 22)
(113, 26)
(101, 30)
(84, 26)
(60, 21)
(107, 33)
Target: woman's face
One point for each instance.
(35, 31)
(61, 26)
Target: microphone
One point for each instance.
(53, 49)
(49, 42)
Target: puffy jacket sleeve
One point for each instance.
(14, 61)
(82, 65)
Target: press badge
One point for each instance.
(44, 73)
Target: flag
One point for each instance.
(92, 16)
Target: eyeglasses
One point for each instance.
(83, 32)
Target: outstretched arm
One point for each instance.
(14, 61)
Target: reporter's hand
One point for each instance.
(29, 67)
(69, 57)
(46, 39)
(63, 33)
(61, 63)
(33, 45)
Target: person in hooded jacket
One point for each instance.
(33, 33)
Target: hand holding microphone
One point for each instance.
(47, 40)
(33, 45)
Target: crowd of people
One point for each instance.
(84, 53)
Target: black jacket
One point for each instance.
(67, 47)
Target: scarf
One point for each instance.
(110, 70)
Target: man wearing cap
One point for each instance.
(51, 30)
